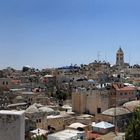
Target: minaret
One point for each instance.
(120, 57)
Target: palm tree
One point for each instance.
(132, 131)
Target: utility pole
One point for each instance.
(115, 113)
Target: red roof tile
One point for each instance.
(91, 134)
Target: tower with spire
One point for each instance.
(120, 57)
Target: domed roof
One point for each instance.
(91, 81)
(48, 76)
(116, 111)
(132, 105)
(76, 125)
(37, 105)
(99, 73)
(19, 97)
(32, 109)
(66, 107)
(46, 109)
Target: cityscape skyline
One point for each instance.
(57, 33)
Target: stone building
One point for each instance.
(118, 116)
(120, 57)
(102, 97)
(120, 94)
(59, 122)
(38, 113)
(89, 101)
(5, 83)
(12, 125)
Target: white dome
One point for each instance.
(66, 107)
(37, 105)
(76, 125)
(116, 111)
(19, 98)
(32, 109)
(132, 105)
(46, 109)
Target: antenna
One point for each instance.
(98, 55)
(106, 57)
(129, 59)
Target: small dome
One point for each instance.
(46, 109)
(37, 105)
(132, 105)
(91, 81)
(76, 125)
(99, 73)
(32, 109)
(19, 98)
(116, 111)
(66, 107)
(48, 76)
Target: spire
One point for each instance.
(120, 50)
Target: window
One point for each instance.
(98, 110)
(121, 93)
(125, 93)
(39, 120)
(81, 137)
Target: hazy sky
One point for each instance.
(51, 33)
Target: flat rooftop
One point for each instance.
(11, 112)
(17, 104)
(68, 133)
(28, 92)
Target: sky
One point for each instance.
(54, 33)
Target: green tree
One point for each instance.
(133, 129)
(61, 95)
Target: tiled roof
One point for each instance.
(91, 135)
(128, 88)
(116, 86)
